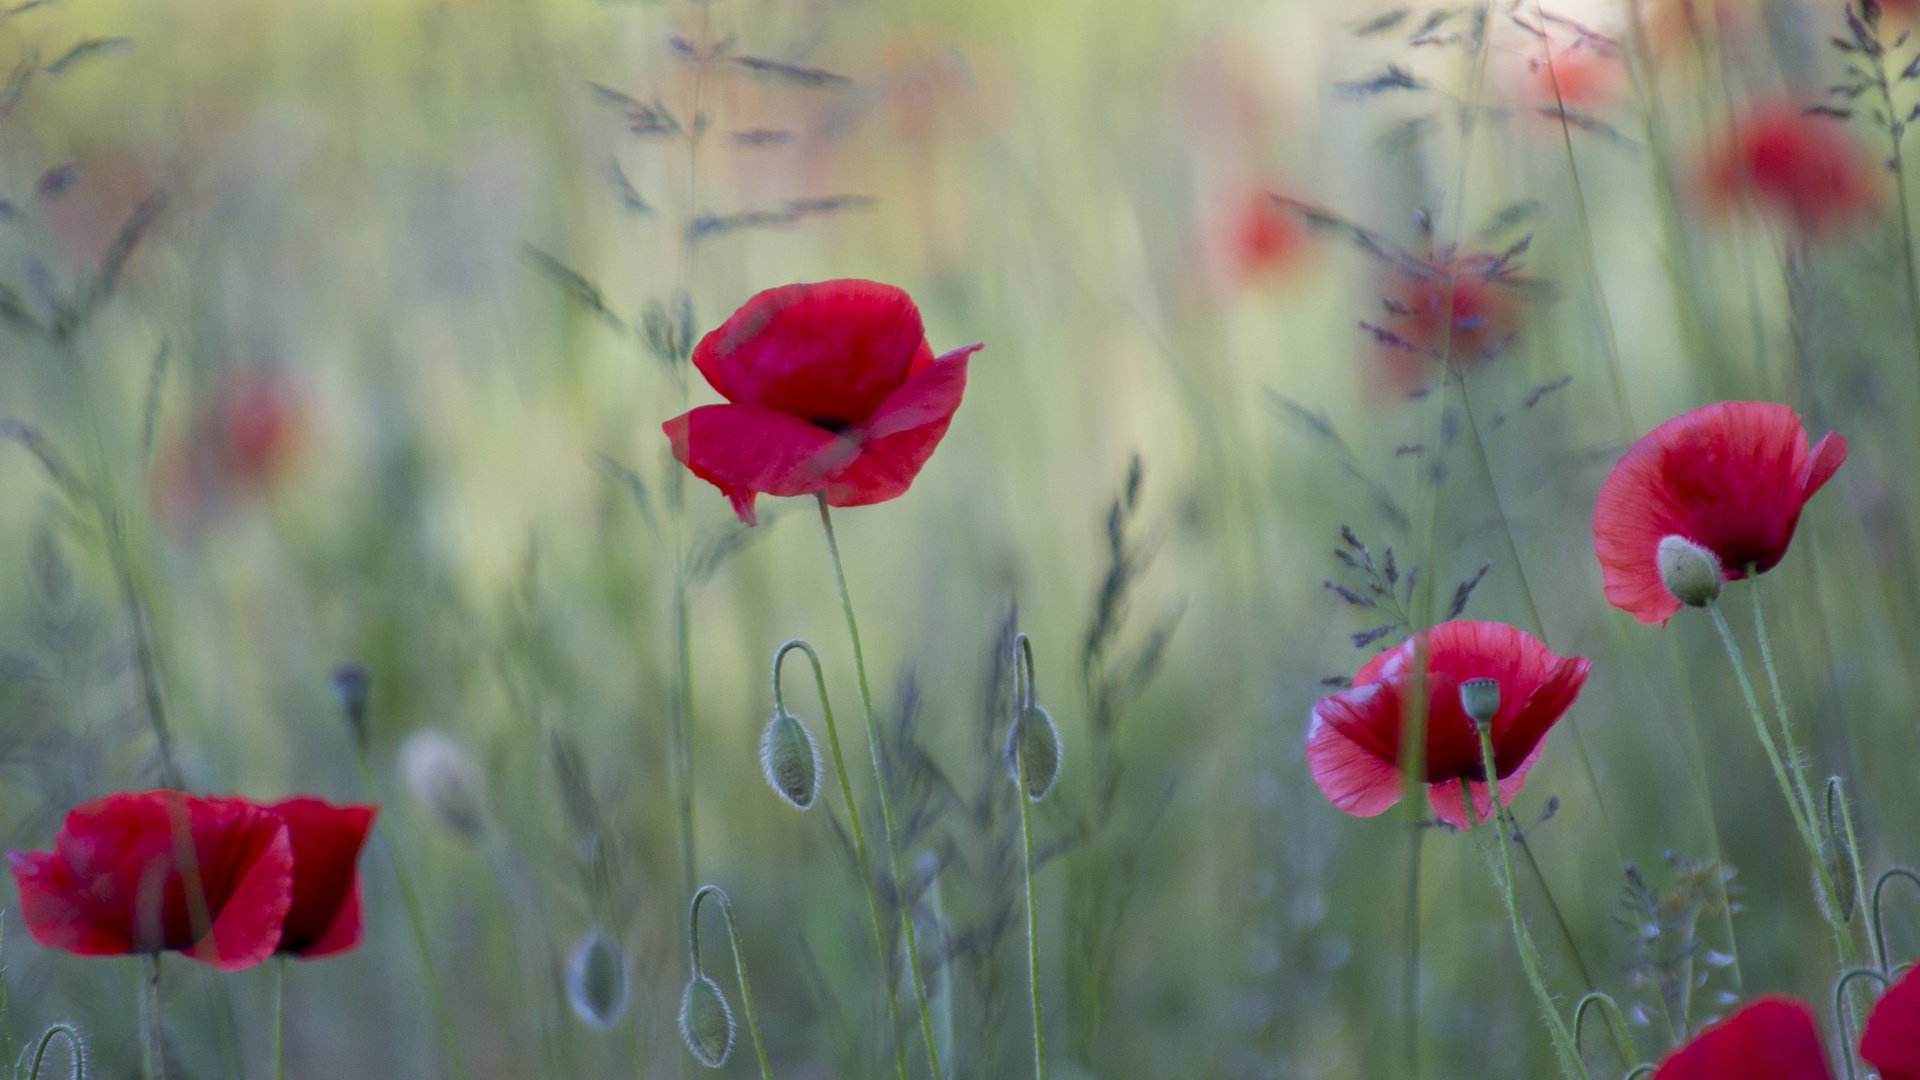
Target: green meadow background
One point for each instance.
(408, 211)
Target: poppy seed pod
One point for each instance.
(706, 1022)
(790, 759)
(597, 985)
(1690, 572)
(1480, 700)
(445, 781)
(1034, 737)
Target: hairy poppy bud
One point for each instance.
(1480, 699)
(444, 779)
(1036, 739)
(1690, 572)
(706, 1022)
(790, 759)
(597, 979)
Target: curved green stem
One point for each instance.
(1023, 662)
(1802, 820)
(76, 1050)
(1564, 1046)
(880, 785)
(739, 964)
(1879, 927)
(859, 835)
(1617, 1028)
(1844, 1014)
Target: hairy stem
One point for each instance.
(739, 964)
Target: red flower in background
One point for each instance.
(1806, 168)
(1580, 77)
(1263, 239)
(324, 917)
(1730, 477)
(151, 871)
(1769, 1038)
(1891, 1041)
(1461, 310)
(1353, 739)
(239, 443)
(831, 388)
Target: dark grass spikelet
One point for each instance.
(1669, 959)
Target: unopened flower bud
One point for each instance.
(597, 986)
(350, 685)
(1480, 699)
(1690, 572)
(444, 779)
(1034, 738)
(706, 1022)
(790, 759)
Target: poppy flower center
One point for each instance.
(834, 424)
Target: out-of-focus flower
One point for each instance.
(240, 444)
(1581, 77)
(1769, 1038)
(1730, 477)
(1461, 310)
(324, 917)
(1354, 736)
(153, 871)
(1262, 239)
(1891, 1039)
(443, 777)
(831, 388)
(1805, 169)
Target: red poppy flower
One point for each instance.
(1263, 239)
(1730, 477)
(148, 871)
(325, 915)
(1769, 1038)
(1580, 77)
(1806, 168)
(254, 428)
(1353, 739)
(1464, 310)
(831, 388)
(1891, 1042)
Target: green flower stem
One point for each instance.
(417, 925)
(1841, 1010)
(880, 786)
(1802, 813)
(1796, 762)
(153, 1063)
(76, 1051)
(1879, 892)
(859, 835)
(1616, 1025)
(1023, 662)
(739, 964)
(1564, 1047)
(1837, 799)
(280, 1017)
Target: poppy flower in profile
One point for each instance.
(1891, 1040)
(1804, 168)
(831, 387)
(152, 871)
(1353, 738)
(1769, 1038)
(324, 917)
(1730, 477)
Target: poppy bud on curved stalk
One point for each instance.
(597, 985)
(790, 759)
(444, 779)
(706, 1022)
(1034, 737)
(1690, 572)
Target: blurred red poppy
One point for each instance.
(1263, 239)
(1353, 739)
(1460, 310)
(1891, 1041)
(831, 388)
(1731, 477)
(1769, 1038)
(150, 871)
(1581, 77)
(325, 914)
(1805, 168)
(239, 444)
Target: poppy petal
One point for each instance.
(56, 913)
(902, 434)
(1891, 1041)
(1769, 1038)
(251, 878)
(1823, 461)
(829, 350)
(748, 450)
(325, 914)
(1451, 806)
(1353, 777)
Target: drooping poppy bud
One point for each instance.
(706, 1022)
(1035, 739)
(445, 781)
(790, 759)
(596, 979)
(1690, 572)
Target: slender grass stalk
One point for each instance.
(280, 1017)
(1023, 663)
(417, 927)
(1897, 165)
(153, 1064)
(739, 964)
(1802, 813)
(875, 920)
(880, 787)
(1564, 1047)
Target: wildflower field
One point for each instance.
(964, 539)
